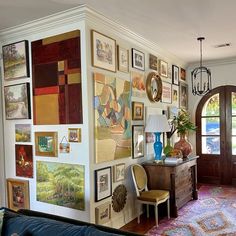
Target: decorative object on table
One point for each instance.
(112, 126)
(119, 172)
(24, 160)
(123, 59)
(183, 125)
(103, 213)
(157, 124)
(18, 194)
(56, 79)
(17, 101)
(183, 95)
(64, 145)
(22, 133)
(138, 141)
(163, 68)
(138, 84)
(16, 60)
(74, 135)
(154, 87)
(201, 76)
(65, 184)
(182, 74)
(103, 183)
(175, 74)
(119, 197)
(175, 95)
(103, 51)
(138, 59)
(46, 144)
(153, 62)
(166, 92)
(137, 110)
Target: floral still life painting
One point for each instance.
(61, 184)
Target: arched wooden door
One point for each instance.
(216, 136)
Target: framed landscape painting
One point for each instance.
(17, 101)
(22, 133)
(15, 60)
(103, 51)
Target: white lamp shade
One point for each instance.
(157, 123)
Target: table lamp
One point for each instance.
(157, 124)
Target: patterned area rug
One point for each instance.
(214, 213)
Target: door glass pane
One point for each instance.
(233, 125)
(211, 107)
(211, 145)
(234, 145)
(233, 103)
(211, 126)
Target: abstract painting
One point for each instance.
(24, 160)
(23, 133)
(112, 104)
(138, 84)
(15, 60)
(61, 184)
(57, 91)
(17, 102)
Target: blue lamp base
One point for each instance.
(157, 146)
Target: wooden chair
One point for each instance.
(145, 196)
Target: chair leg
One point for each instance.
(139, 206)
(168, 208)
(147, 206)
(156, 214)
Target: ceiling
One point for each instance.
(172, 25)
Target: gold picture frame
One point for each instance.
(154, 87)
(46, 144)
(137, 110)
(74, 135)
(18, 194)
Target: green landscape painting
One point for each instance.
(61, 184)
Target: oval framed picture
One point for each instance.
(154, 87)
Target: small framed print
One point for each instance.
(18, 194)
(103, 51)
(175, 95)
(46, 144)
(166, 92)
(16, 60)
(138, 59)
(74, 135)
(22, 133)
(182, 74)
(103, 213)
(123, 59)
(103, 185)
(183, 95)
(137, 110)
(119, 172)
(163, 68)
(175, 75)
(138, 141)
(153, 62)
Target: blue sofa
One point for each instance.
(33, 223)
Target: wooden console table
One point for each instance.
(180, 180)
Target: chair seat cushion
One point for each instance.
(153, 195)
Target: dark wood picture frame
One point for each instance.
(138, 59)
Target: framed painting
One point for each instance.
(18, 194)
(16, 60)
(153, 63)
(46, 144)
(138, 84)
(17, 101)
(64, 184)
(74, 135)
(22, 133)
(163, 68)
(166, 92)
(103, 213)
(182, 74)
(175, 95)
(103, 51)
(137, 110)
(103, 184)
(175, 75)
(24, 160)
(183, 95)
(119, 172)
(138, 141)
(123, 59)
(138, 59)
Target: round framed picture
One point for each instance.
(154, 87)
